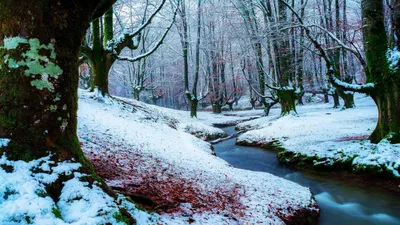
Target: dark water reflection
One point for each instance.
(341, 202)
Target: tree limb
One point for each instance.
(139, 57)
(367, 88)
(102, 7)
(125, 40)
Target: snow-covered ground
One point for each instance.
(148, 153)
(326, 137)
(25, 200)
(175, 119)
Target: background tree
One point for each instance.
(382, 74)
(103, 54)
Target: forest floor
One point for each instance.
(158, 158)
(325, 138)
(151, 154)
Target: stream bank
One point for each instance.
(341, 202)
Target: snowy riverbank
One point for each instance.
(324, 137)
(141, 154)
(147, 153)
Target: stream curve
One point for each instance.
(340, 202)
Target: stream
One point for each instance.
(340, 202)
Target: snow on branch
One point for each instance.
(159, 43)
(125, 39)
(344, 46)
(353, 87)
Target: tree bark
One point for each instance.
(286, 94)
(38, 108)
(101, 59)
(386, 93)
(336, 103)
(287, 100)
(193, 107)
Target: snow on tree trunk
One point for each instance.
(386, 77)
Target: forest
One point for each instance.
(199, 112)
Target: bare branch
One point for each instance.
(139, 57)
(367, 88)
(125, 40)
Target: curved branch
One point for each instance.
(159, 43)
(367, 88)
(255, 90)
(125, 40)
(342, 45)
(102, 7)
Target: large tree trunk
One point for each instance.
(39, 80)
(388, 103)
(38, 104)
(217, 107)
(286, 93)
(287, 99)
(387, 93)
(99, 60)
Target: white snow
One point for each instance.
(329, 135)
(24, 199)
(149, 146)
(393, 56)
(4, 142)
(176, 119)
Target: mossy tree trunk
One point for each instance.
(346, 96)
(286, 93)
(287, 99)
(39, 80)
(217, 107)
(193, 107)
(38, 104)
(388, 103)
(102, 59)
(386, 93)
(383, 77)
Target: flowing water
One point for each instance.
(341, 202)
